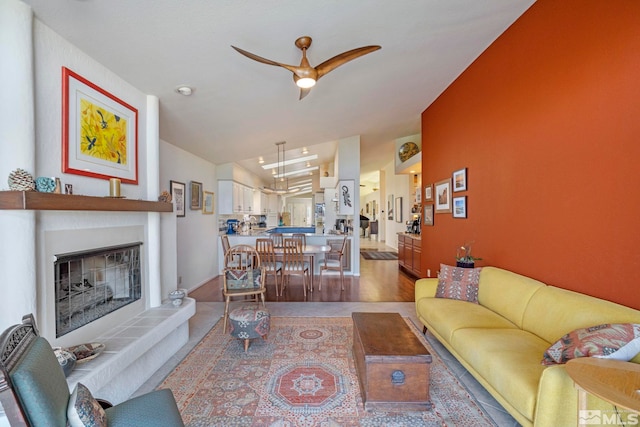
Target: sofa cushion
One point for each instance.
(445, 316)
(458, 283)
(507, 293)
(507, 360)
(609, 341)
(83, 410)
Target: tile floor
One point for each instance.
(208, 313)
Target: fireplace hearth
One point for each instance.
(91, 284)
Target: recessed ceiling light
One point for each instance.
(261, 160)
(304, 150)
(184, 90)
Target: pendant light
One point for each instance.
(281, 185)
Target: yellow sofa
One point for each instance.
(501, 340)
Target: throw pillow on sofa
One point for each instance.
(619, 341)
(458, 283)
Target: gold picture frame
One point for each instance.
(207, 203)
(443, 196)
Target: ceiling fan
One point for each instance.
(305, 75)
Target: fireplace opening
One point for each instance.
(91, 284)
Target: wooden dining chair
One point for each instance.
(244, 278)
(265, 249)
(294, 264)
(333, 259)
(302, 237)
(277, 239)
(225, 243)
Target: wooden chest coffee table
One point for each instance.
(391, 362)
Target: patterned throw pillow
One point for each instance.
(609, 341)
(244, 279)
(83, 410)
(458, 283)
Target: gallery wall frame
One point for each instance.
(207, 202)
(427, 217)
(177, 190)
(460, 207)
(398, 209)
(99, 131)
(443, 196)
(346, 197)
(460, 180)
(390, 207)
(428, 193)
(196, 195)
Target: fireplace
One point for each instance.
(93, 283)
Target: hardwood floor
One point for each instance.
(379, 281)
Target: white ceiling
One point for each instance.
(240, 107)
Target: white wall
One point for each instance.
(399, 186)
(196, 233)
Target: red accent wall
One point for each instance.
(547, 121)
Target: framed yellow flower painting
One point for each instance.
(99, 131)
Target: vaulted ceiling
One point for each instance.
(239, 107)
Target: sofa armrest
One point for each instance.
(426, 288)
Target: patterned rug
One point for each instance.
(302, 375)
(379, 255)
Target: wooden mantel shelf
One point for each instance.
(34, 200)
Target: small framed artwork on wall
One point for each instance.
(207, 203)
(443, 196)
(196, 195)
(390, 207)
(460, 180)
(428, 215)
(177, 195)
(460, 207)
(428, 193)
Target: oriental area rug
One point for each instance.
(302, 375)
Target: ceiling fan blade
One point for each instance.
(304, 92)
(293, 68)
(338, 60)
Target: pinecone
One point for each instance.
(21, 180)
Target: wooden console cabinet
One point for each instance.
(410, 253)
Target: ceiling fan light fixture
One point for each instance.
(306, 82)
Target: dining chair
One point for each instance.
(244, 278)
(302, 237)
(294, 264)
(333, 259)
(265, 249)
(277, 239)
(225, 243)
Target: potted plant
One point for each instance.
(464, 258)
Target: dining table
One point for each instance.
(309, 253)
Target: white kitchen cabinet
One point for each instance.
(232, 198)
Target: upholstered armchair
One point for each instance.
(34, 391)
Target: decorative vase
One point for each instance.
(465, 264)
(176, 297)
(66, 359)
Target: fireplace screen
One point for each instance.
(94, 283)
